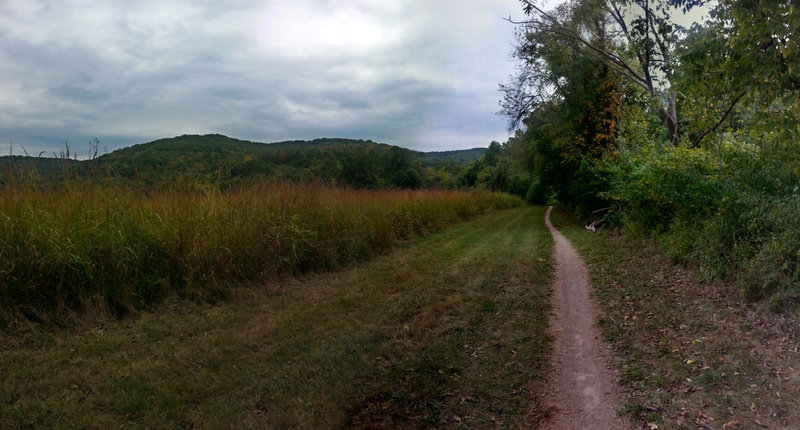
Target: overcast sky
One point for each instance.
(422, 74)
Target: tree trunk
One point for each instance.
(670, 115)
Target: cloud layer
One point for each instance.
(416, 73)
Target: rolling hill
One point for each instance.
(220, 159)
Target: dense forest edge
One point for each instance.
(684, 135)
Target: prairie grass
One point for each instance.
(449, 331)
(65, 249)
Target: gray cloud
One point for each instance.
(415, 73)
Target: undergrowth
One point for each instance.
(729, 213)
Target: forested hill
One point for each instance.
(223, 160)
(460, 156)
(26, 166)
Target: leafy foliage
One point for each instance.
(722, 194)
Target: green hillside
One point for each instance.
(226, 161)
(458, 156)
(41, 165)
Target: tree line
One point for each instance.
(684, 133)
(217, 160)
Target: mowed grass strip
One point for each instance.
(446, 331)
(690, 353)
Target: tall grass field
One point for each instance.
(67, 249)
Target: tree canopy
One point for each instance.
(689, 133)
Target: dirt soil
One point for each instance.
(582, 390)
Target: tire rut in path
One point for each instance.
(582, 392)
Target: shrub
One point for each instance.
(658, 183)
(732, 212)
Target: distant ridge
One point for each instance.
(221, 159)
(207, 141)
(460, 155)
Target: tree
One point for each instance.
(499, 180)
(359, 169)
(748, 53)
(493, 153)
(469, 177)
(633, 38)
(407, 177)
(568, 102)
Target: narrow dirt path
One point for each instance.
(582, 392)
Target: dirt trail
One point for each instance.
(582, 392)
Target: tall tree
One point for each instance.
(748, 52)
(633, 38)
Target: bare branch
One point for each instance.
(721, 120)
(617, 15)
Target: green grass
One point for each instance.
(689, 354)
(448, 330)
(81, 248)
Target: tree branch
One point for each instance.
(721, 120)
(609, 58)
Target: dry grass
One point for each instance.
(447, 331)
(82, 248)
(690, 353)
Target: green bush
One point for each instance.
(729, 212)
(657, 184)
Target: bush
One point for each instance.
(656, 184)
(732, 213)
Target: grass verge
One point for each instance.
(447, 331)
(690, 354)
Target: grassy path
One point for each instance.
(449, 330)
(690, 354)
